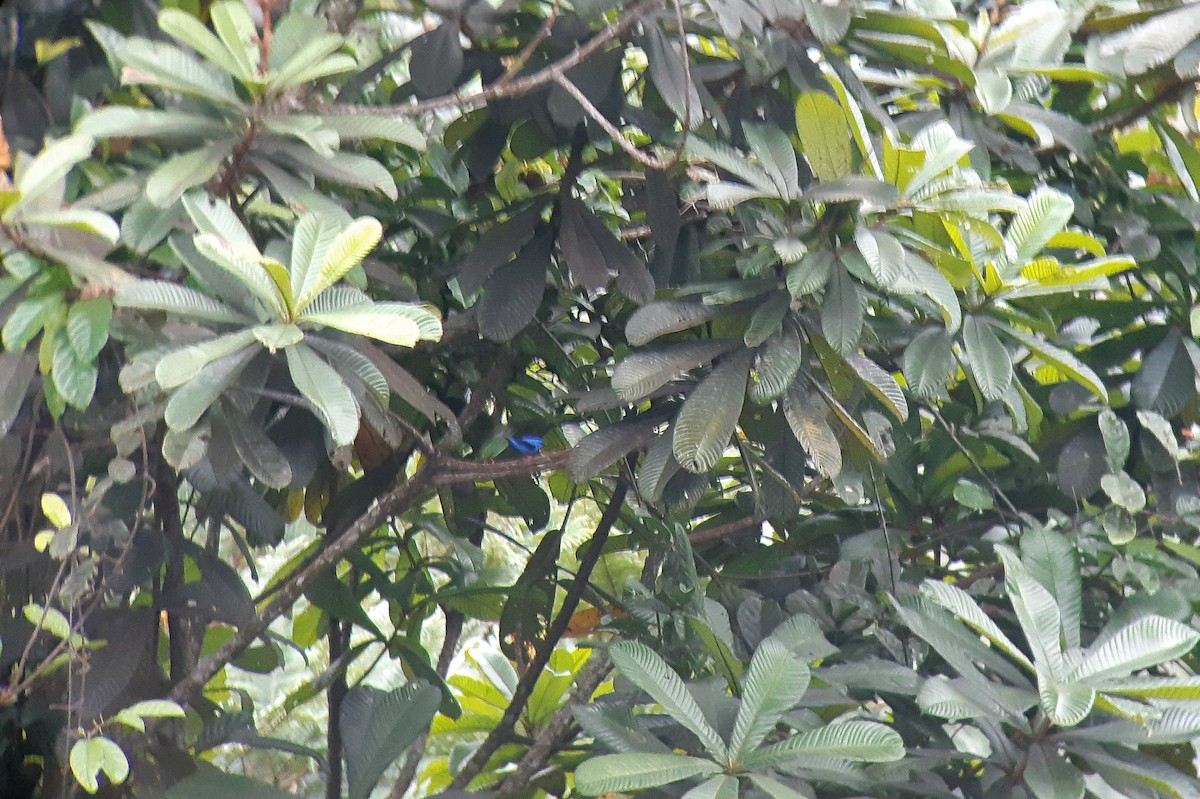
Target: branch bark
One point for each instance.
(557, 732)
(436, 473)
(520, 698)
(513, 88)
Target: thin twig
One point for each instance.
(554, 735)
(435, 474)
(501, 733)
(515, 88)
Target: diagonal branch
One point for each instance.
(436, 473)
(501, 732)
(514, 88)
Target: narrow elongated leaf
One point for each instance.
(666, 67)
(51, 165)
(772, 686)
(987, 357)
(158, 64)
(1044, 215)
(189, 401)
(776, 365)
(397, 323)
(863, 741)
(651, 673)
(961, 604)
(634, 772)
(372, 128)
(881, 384)
(806, 415)
(176, 175)
(243, 264)
(326, 391)
(160, 295)
(667, 316)
(710, 414)
(122, 121)
(601, 449)
(1038, 614)
(640, 374)
(185, 28)
(1052, 561)
(233, 24)
(842, 312)
(1049, 776)
(180, 366)
(1060, 359)
(345, 252)
(777, 157)
(1143, 643)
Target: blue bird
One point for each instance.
(526, 444)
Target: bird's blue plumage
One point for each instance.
(526, 444)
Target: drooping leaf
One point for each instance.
(321, 385)
(988, 359)
(823, 135)
(379, 725)
(710, 415)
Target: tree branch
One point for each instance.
(513, 88)
(520, 698)
(436, 473)
(554, 736)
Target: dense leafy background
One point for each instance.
(768, 399)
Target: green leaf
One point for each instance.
(399, 323)
(189, 401)
(81, 219)
(1116, 439)
(1051, 560)
(806, 415)
(1060, 359)
(346, 251)
(186, 29)
(373, 128)
(1166, 380)
(74, 377)
(1065, 704)
(244, 264)
(773, 685)
(862, 741)
(777, 158)
(651, 673)
(640, 374)
(710, 414)
(1124, 491)
(667, 316)
(961, 604)
(1143, 643)
(181, 365)
(987, 357)
(1044, 215)
(50, 166)
(87, 326)
(776, 365)
(91, 756)
(843, 311)
(122, 121)
(379, 725)
(823, 135)
(158, 64)
(811, 273)
(1038, 614)
(160, 295)
(168, 182)
(634, 772)
(666, 67)
(233, 24)
(48, 619)
(928, 363)
(326, 391)
(881, 384)
(1049, 776)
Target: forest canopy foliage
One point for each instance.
(763, 399)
